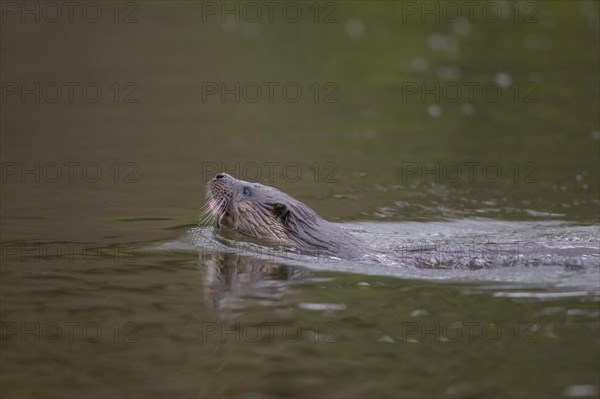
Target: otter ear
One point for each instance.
(281, 211)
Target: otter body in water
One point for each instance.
(264, 212)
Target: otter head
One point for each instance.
(252, 209)
(264, 212)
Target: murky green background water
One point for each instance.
(103, 296)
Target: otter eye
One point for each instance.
(246, 191)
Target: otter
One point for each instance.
(263, 212)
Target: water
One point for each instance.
(484, 215)
(545, 254)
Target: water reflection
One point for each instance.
(235, 282)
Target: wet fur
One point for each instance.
(272, 215)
